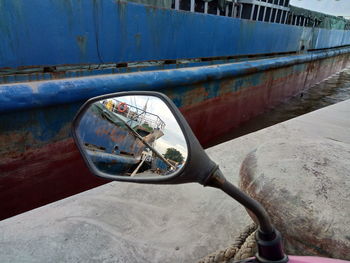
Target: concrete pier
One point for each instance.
(123, 222)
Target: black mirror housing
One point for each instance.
(197, 168)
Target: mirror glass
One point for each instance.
(132, 136)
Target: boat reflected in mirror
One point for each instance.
(135, 136)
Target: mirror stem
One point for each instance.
(268, 239)
(218, 180)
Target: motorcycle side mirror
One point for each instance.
(142, 137)
(139, 137)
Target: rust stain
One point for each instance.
(138, 40)
(82, 41)
(195, 96)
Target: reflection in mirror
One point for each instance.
(132, 136)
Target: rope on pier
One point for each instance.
(243, 247)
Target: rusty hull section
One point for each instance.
(40, 163)
(240, 99)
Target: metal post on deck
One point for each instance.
(275, 19)
(226, 11)
(234, 8)
(192, 5)
(177, 4)
(281, 16)
(205, 7)
(240, 10)
(286, 17)
(257, 13)
(271, 14)
(264, 15)
(252, 13)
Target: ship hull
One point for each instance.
(40, 163)
(80, 53)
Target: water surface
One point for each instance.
(330, 91)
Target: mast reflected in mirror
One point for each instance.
(132, 136)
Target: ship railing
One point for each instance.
(260, 10)
(141, 116)
(271, 11)
(274, 11)
(230, 8)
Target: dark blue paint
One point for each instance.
(55, 32)
(95, 130)
(112, 163)
(37, 127)
(45, 93)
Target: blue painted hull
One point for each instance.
(111, 163)
(109, 144)
(51, 33)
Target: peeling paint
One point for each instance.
(82, 42)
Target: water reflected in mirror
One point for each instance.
(132, 136)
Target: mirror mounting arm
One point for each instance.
(269, 241)
(218, 180)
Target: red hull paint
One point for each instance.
(54, 171)
(41, 176)
(213, 118)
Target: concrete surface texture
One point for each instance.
(121, 222)
(304, 186)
